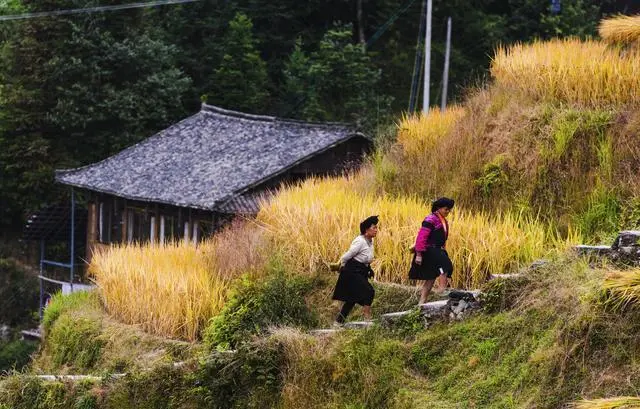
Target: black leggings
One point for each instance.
(346, 309)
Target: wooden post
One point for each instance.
(92, 231)
(124, 218)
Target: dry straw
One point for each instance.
(620, 29)
(588, 73)
(623, 402)
(314, 223)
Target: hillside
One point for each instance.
(543, 157)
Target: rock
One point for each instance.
(435, 309)
(627, 238)
(464, 295)
(585, 250)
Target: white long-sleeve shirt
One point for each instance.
(361, 250)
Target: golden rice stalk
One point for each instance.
(620, 29)
(418, 133)
(168, 290)
(175, 288)
(588, 73)
(623, 402)
(313, 224)
(623, 288)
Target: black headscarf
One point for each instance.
(442, 202)
(368, 222)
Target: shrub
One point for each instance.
(75, 341)
(277, 300)
(61, 304)
(357, 369)
(18, 294)
(15, 354)
(26, 392)
(250, 378)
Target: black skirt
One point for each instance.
(353, 284)
(433, 259)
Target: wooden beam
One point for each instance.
(92, 231)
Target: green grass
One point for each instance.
(542, 342)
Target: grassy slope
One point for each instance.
(544, 341)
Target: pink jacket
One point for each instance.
(431, 222)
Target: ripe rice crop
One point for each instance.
(175, 288)
(620, 29)
(418, 133)
(313, 224)
(588, 73)
(623, 288)
(623, 402)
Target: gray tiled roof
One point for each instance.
(208, 158)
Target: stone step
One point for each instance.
(391, 316)
(76, 378)
(505, 276)
(583, 249)
(433, 305)
(31, 334)
(359, 324)
(325, 331)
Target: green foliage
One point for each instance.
(163, 387)
(15, 355)
(18, 294)
(277, 300)
(241, 81)
(409, 325)
(600, 219)
(338, 82)
(251, 378)
(494, 176)
(501, 294)
(60, 304)
(487, 357)
(24, 392)
(75, 90)
(368, 370)
(75, 341)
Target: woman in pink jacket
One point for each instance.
(431, 260)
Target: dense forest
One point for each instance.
(75, 89)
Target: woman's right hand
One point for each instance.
(419, 259)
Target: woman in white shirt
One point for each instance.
(353, 286)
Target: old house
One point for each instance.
(183, 182)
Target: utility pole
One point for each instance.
(427, 59)
(417, 64)
(445, 74)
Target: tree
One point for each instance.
(241, 81)
(75, 90)
(337, 82)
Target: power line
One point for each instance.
(93, 9)
(387, 24)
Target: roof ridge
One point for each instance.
(267, 118)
